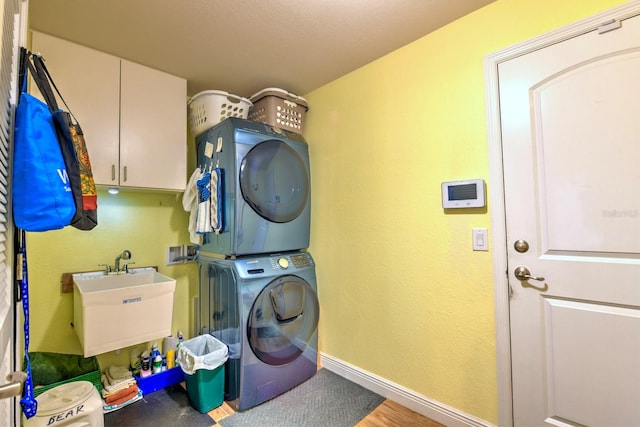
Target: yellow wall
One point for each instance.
(402, 294)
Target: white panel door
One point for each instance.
(570, 117)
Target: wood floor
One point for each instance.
(388, 414)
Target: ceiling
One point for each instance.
(243, 46)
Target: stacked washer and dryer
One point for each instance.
(258, 290)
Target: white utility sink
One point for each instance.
(112, 311)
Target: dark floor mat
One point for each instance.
(166, 407)
(326, 399)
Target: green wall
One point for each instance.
(402, 294)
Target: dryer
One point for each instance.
(266, 192)
(265, 308)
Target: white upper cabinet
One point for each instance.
(133, 117)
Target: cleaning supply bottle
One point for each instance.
(145, 368)
(154, 351)
(157, 364)
(171, 358)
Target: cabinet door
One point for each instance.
(153, 132)
(90, 83)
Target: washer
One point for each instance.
(266, 197)
(265, 308)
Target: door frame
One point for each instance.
(496, 185)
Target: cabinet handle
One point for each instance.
(113, 172)
(125, 174)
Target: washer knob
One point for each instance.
(283, 263)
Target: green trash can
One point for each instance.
(206, 388)
(202, 361)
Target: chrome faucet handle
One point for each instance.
(126, 254)
(107, 268)
(126, 266)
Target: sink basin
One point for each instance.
(112, 311)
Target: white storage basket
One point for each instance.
(208, 108)
(279, 108)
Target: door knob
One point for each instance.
(14, 387)
(523, 274)
(521, 246)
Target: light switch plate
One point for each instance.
(480, 238)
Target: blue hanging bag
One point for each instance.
(41, 192)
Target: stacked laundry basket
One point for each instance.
(258, 291)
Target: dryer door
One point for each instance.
(283, 319)
(274, 181)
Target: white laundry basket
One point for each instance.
(208, 108)
(76, 404)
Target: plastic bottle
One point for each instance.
(157, 364)
(171, 358)
(145, 368)
(155, 352)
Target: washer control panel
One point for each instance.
(273, 265)
(284, 262)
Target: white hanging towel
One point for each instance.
(203, 224)
(190, 204)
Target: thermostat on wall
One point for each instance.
(463, 194)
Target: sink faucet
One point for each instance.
(126, 254)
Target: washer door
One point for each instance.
(274, 181)
(283, 319)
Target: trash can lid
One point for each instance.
(64, 397)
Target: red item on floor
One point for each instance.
(122, 395)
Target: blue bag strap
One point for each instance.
(28, 401)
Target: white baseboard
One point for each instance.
(430, 408)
